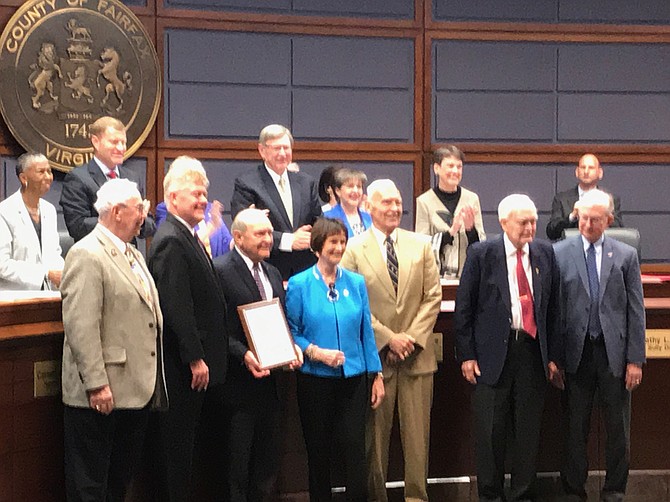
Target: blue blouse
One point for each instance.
(342, 324)
(337, 212)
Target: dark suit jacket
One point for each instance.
(239, 288)
(194, 319)
(621, 303)
(562, 206)
(256, 187)
(483, 313)
(79, 194)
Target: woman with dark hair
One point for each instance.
(329, 315)
(349, 187)
(449, 213)
(30, 252)
(327, 187)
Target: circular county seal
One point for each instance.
(66, 63)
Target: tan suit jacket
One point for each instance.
(414, 309)
(111, 326)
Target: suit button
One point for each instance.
(151, 325)
(153, 353)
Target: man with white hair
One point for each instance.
(505, 321)
(112, 367)
(196, 343)
(404, 290)
(290, 197)
(604, 345)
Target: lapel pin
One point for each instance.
(113, 252)
(609, 255)
(537, 270)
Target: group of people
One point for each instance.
(361, 301)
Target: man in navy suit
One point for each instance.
(563, 213)
(505, 319)
(108, 136)
(251, 395)
(603, 324)
(291, 198)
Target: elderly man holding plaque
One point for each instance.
(329, 315)
(252, 401)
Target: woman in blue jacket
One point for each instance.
(329, 315)
(349, 190)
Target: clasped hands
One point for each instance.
(401, 346)
(464, 219)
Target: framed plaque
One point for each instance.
(268, 333)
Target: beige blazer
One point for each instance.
(428, 222)
(415, 307)
(111, 327)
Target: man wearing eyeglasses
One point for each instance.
(291, 199)
(603, 324)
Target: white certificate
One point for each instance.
(267, 332)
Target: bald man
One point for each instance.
(563, 213)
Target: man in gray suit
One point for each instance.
(604, 349)
(112, 364)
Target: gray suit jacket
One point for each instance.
(621, 303)
(111, 327)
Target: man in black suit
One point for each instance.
(252, 399)
(291, 198)
(563, 212)
(505, 319)
(108, 136)
(193, 305)
(604, 343)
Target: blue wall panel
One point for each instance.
(389, 9)
(228, 57)
(218, 111)
(614, 67)
(353, 62)
(495, 10)
(326, 88)
(552, 93)
(615, 11)
(340, 114)
(613, 118)
(494, 65)
(554, 11)
(481, 116)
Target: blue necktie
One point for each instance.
(594, 330)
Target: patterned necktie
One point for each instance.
(135, 267)
(392, 262)
(203, 248)
(525, 297)
(287, 199)
(259, 283)
(111, 174)
(594, 328)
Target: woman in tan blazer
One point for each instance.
(449, 213)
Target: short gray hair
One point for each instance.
(274, 131)
(248, 217)
(182, 170)
(114, 192)
(27, 160)
(513, 203)
(380, 185)
(596, 198)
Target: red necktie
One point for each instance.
(111, 174)
(525, 298)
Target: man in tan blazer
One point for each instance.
(112, 364)
(404, 290)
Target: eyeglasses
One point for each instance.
(139, 207)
